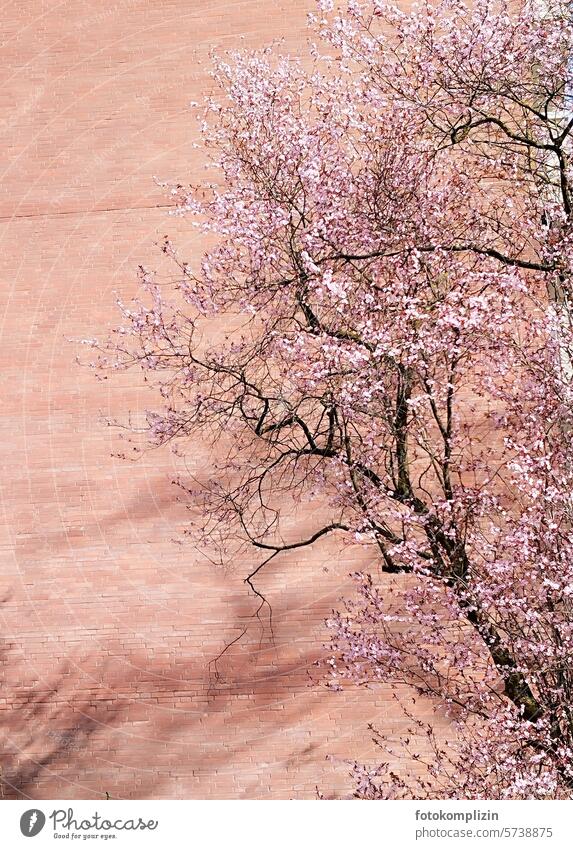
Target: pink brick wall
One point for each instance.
(108, 626)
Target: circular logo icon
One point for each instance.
(32, 822)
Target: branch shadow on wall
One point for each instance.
(47, 726)
(48, 718)
(149, 721)
(131, 725)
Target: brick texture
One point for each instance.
(108, 625)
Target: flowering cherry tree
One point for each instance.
(392, 254)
